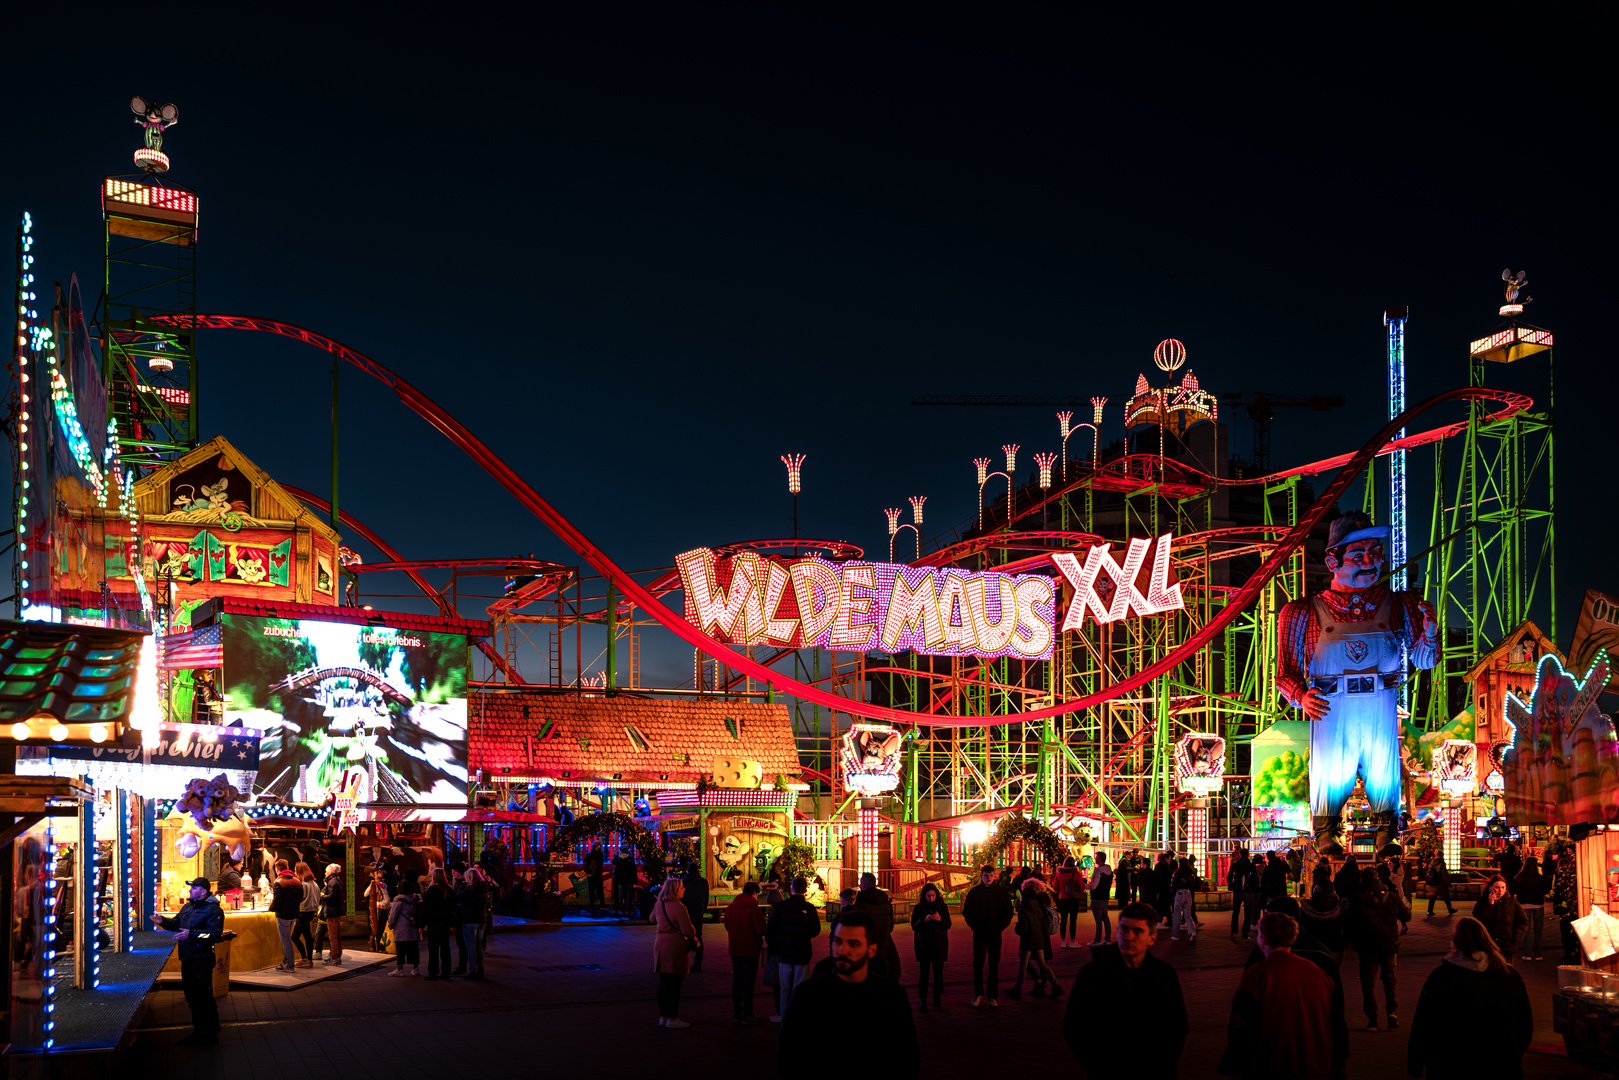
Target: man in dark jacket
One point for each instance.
(1273, 879)
(1375, 922)
(792, 927)
(987, 910)
(745, 936)
(624, 879)
(849, 999)
(1510, 862)
(1243, 881)
(696, 900)
(1123, 987)
(197, 926)
(332, 906)
(1124, 879)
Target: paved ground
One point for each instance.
(370, 1025)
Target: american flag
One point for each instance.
(192, 649)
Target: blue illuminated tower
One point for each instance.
(1394, 324)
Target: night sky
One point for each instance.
(643, 251)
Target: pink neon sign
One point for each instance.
(1110, 591)
(752, 599)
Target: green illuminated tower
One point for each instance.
(1496, 513)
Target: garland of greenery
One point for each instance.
(592, 826)
(1015, 827)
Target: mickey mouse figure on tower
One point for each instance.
(154, 119)
(1342, 657)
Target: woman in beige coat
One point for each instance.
(671, 947)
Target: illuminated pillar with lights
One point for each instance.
(1451, 844)
(866, 846)
(1394, 323)
(1197, 835)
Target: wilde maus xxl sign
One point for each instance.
(748, 599)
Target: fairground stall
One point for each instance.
(725, 774)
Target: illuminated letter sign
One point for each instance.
(1111, 591)
(751, 599)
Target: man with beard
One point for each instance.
(1342, 657)
(850, 997)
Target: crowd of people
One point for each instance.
(1287, 1013)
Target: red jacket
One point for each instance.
(1281, 1021)
(745, 926)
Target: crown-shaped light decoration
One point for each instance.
(1045, 462)
(1063, 428)
(1010, 450)
(893, 520)
(983, 468)
(916, 508)
(795, 466)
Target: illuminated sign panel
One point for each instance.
(870, 758)
(1200, 763)
(750, 599)
(1110, 591)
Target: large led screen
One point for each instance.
(334, 696)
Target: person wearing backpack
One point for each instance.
(1101, 887)
(403, 915)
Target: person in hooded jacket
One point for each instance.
(1347, 881)
(402, 927)
(930, 926)
(745, 939)
(1070, 888)
(1273, 878)
(1501, 915)
(876, 903)
(1375, 922)
(1321, 875)
(287, 896)
(1474, 982)
(790, 933)
(1530, 890)
(1324, 917)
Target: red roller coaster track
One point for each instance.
(565, 531)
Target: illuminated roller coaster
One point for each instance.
(1086, 733)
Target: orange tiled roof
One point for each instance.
(639, 739)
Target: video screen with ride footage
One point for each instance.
(333, 697)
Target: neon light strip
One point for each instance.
(1397, 538)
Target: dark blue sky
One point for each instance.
(642, 251)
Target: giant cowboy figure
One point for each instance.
(1342, 660)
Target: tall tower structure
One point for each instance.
(1497, 512)
(1394, 326)
(150, 269)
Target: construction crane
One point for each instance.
(1260, 406)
